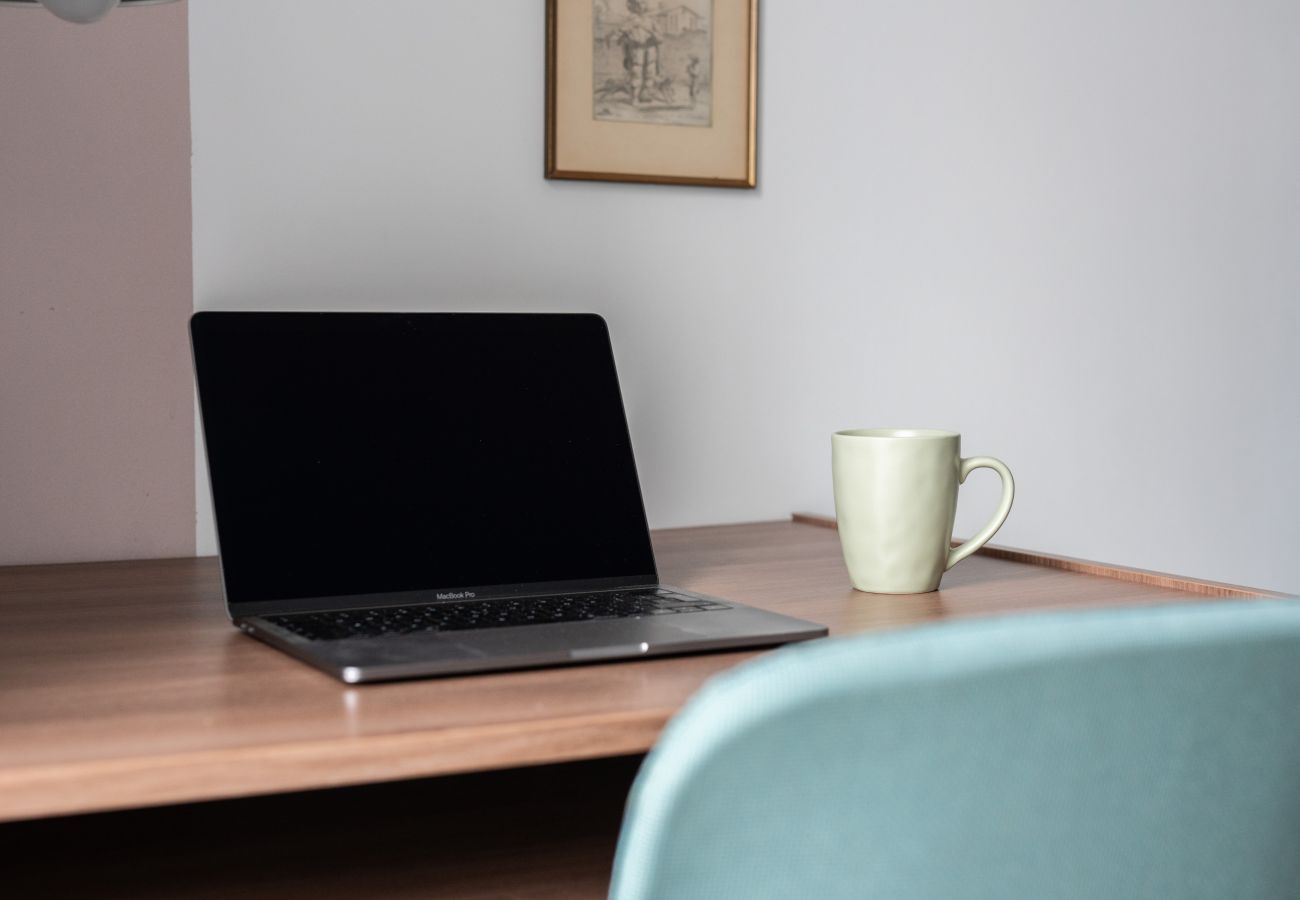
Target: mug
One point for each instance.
(895, 500)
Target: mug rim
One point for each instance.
(898, 433)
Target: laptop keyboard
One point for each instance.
(462, 616)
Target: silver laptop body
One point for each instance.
(416, 494)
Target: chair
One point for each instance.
(1137, 753)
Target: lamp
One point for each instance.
(83, 12)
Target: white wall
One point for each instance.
(1069, 230)
(96, 440)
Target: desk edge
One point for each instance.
(31, 792)
(1088, 567)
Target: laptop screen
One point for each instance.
(378, 453)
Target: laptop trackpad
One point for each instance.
(392, 650)
(534, 644)
(584, 640)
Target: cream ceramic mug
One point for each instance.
(895, 500)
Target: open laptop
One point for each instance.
(412, 494)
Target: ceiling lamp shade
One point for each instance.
(83, 12)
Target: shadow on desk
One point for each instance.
(545, 832)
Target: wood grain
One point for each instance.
(124, 685)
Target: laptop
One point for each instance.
(414, 494)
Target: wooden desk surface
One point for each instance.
(124, 685)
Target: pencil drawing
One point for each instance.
(652, 61)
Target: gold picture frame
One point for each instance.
(652, 91)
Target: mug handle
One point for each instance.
(957, 554)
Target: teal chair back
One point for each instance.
(1139, 753)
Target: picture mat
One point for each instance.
(584, 144)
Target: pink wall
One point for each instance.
(96, 403)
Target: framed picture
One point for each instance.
(661, 91)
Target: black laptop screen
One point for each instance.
(374, 453)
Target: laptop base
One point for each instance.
(390, 657)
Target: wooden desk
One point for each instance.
(122, 685)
